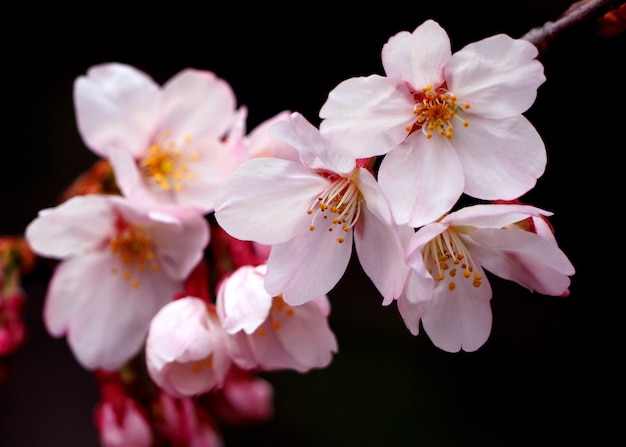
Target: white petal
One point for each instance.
(314, 150)
(461, 318)
(266, 200)
(502, 159)
(367, 116)
(307, 266)
(74, 227)
(197, 104)
(498, 76)
(244, 300)
(418, 57)
(422, 179)
(109, 325)
(116, 106)
(526, 258)
(380, 254)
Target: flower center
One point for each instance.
(448, 260)
(279, 311)
(168, 166)
(339, 205)
(435, 109)
(133, 246)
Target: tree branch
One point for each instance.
(576, 14)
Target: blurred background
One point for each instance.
(551, 372)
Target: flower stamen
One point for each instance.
(135, 250)
(339, 203)
(447, 255)
(167, 166)
(435, 110)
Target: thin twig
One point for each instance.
(576, 14)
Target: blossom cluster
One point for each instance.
(203, 253)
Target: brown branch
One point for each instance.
(577, 13)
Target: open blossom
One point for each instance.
(448, 123)
(120, 263)
(164, 143)
(447, 287)
(267, 333)
(308, 212)
(186, 350)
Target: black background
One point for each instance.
(551, 372)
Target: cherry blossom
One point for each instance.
(448, 123)
(267, 333)
(119, 264)
(308, 212)
(165, 143)
(448, 290)
(186, 348)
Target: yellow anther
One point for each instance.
(276, 325)
(451, 286)
(340, 240)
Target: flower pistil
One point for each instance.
(167, 165)
(339, 203)
(446, 254)
(134, 248)
(435, 110)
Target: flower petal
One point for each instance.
(266, 200)
(502, 159)
(367, 116)
(76, 226)
(116, 106)
(526, 258)
(197, 103)
(307, 266)
(110, 324)
(461, 318)
(422, 179)
(419, 57)
(499, 76)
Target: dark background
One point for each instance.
(551, 373)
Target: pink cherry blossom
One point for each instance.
(266, 332)
(164, 142)
(447, 288)
(186, 348)
(309, 211)
(120, 420)
(119, 264)
(245, 398)
(448, 123)
(185, 423)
